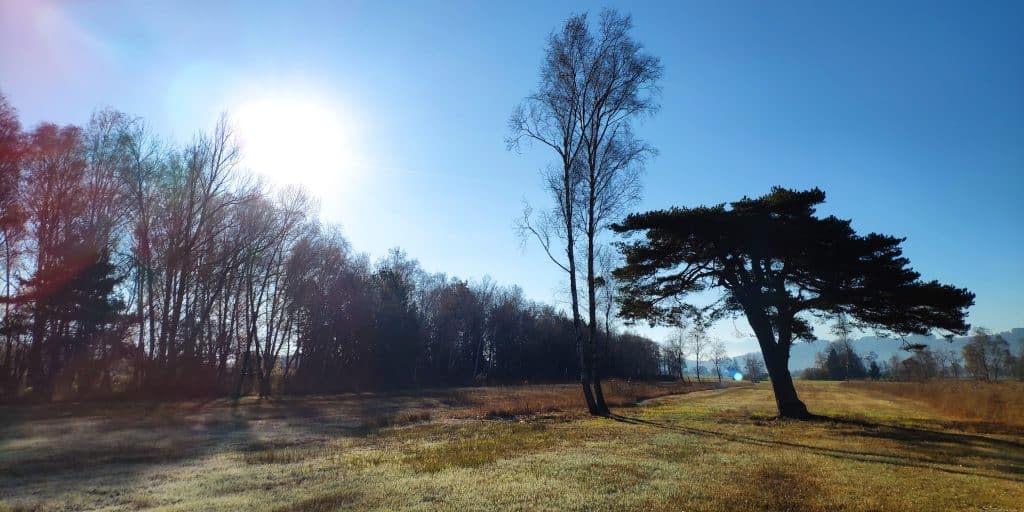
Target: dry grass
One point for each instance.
(322, 503)
(774, 485)
(990, 402)
(504, 402)
(393, 420)
(713, 451)
(479, 444)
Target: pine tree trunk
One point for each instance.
(776, 361)
(786, 399)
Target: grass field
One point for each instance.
(486, 449)
(974, 401)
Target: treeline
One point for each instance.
(132, 266)
(985, 357)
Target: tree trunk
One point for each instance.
(9, 384)
(573, 288)
(786, 399)
(581, 351)
(585, 379)
(243, 369)
(776, 361)
(36, 378)
(600, 406)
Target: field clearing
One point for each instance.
(483, 449)
(969, 400)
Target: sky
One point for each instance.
(910, 115)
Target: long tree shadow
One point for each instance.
(905, 433)
(922, 442)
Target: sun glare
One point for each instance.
(295, 142)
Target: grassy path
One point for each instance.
(707, 451)
(688, 396)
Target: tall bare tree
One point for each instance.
(593, 85)
(55, 168)
(676, 353)
(719, 357)
(550, 117)
(12, 233)
(698, 342)
(620, 85)
(145, 159)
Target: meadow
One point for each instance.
(666, 447)
(970, 400)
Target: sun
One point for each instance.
(295, 141)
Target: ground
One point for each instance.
(702, 451)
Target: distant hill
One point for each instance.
(802, 354)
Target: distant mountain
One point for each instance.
(802, 354)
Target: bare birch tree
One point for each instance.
(620, 86)
(719, 357)
(593, 86)
(549, 117)
(698, 342)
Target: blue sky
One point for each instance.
(909, 115)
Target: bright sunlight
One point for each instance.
(295, 141)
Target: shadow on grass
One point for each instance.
(915, 433)
(67, 437)
(95, 445)
(924, 444)
(99, 451)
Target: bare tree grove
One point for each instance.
(134, 267)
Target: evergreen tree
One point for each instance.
(777, 263)
(874, 371)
